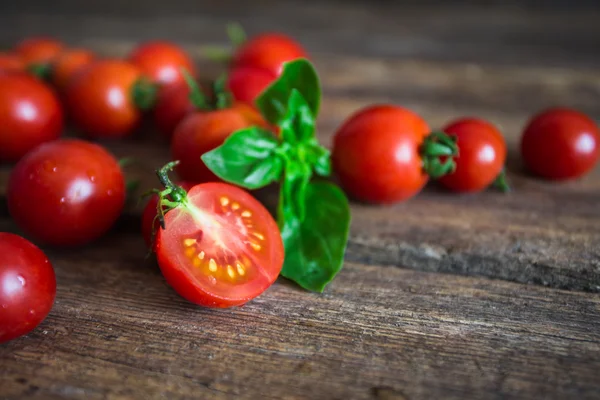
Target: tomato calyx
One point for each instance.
(501, 182)
(435, 147)
(41, 71)
(171, 196)
(144, 93)
(237, 36)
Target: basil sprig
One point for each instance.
(313, 215)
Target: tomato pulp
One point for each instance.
(27, 286)
(220, 247)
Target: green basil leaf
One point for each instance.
(247, 158)
(314, 247)
(319, 159)
(298, 74)
(298, 126)
(296, 179)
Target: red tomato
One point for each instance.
(11, 62)
(220, 248)
(247, 83)
(172, 106)
(149, 222)
(560, 144)
(68, 64)
(30, 114)
(482, 155)
(66, 192)
(27, 286)
(203, 131)
(39, 50)
(101, 100)
(162, 61)
(376, 154)
(268, 51)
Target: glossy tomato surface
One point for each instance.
(30, 114)
(172, 106)
(38, 50)
(68, 64)
(66, 192)
(149, 222)
(482, 153)
(376, 154)
(162, 61)
(247, 83)
(560, 144)
(203, 131)
(269, 52)
(27, 286)
(11, 62)
(221, 249)
(100, 100)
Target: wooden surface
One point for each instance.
(414, 313)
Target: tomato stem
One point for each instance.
(144, 93)
(236, 33)
(501, 182)
(40, 71)
(438, 145)
(223, 97)
(197, 97)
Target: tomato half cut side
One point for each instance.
(219, 248)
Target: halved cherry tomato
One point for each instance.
(30, 114)
(102, 99)
(68, 64)
(560, 144)
(11, 62)
(220, 246)
(247, 83)
(203, 131)
(162, 62)
(173, 104)
(27, 286)
(268, 51)
(39, 50)
(482, 155)
(66, 192)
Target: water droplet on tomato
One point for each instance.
(32, 311)
(109, 192)
(21, 280)
(4, 305)
(63, 200)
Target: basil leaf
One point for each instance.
(314, 247)
(318, 157)
(296, 179)
(247, 158)
(298, 125)
(298, 74)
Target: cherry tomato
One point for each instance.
(268, 51)
(376, 154)
(560, 144)
(247, 83)
(27, 286)
(203, 131)
(66, 192)
(11, 62)
(101, 99)
(39, 50)
(149, 222)
(220, 248)
(172, 106)
(162, 61)
(68, 64)
(30, 114)
(482, 155)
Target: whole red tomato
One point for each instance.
(106, 98)
(269, 52)
(66, 192)
(162, 62)
(68, 64)
(560, 144)
(11, 62)
(380, 154)
(173, 104)
(27, 286)
(203, 131)
(39, 50)
(482, 155)
(30, 114)
(247, 83)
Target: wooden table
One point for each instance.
(485, 296)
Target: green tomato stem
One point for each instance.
(501, 182)
(197, 97)
(435, 146)
(223, 97)
(144, 93)
(41, 71)
(236, 34)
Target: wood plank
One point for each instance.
(117, 331)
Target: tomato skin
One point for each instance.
(27, 286)
(39, 50)
(247, 83)
(30, 114)
(376, 154)
(100, 99)
(218, 223)
(203, 131)
(66, 192)
(482, 155)
(149, 221)
(560, 144)
(68, 64)
(11, 62)
(162, 61)
(268, 51)
(172, 106)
